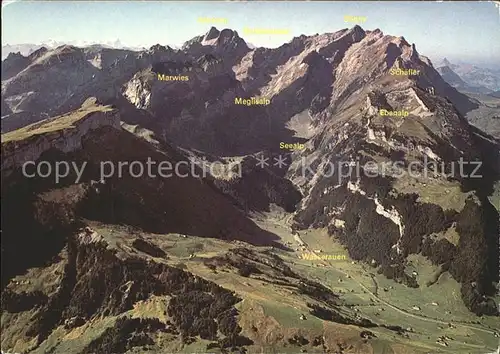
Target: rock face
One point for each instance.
(83, 142)
(13, 64)
(226, 43)
(90, 116)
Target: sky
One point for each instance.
(464, 30)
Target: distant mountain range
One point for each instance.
(28, 48)
(495, 94)
(457, 82)
(469, 77)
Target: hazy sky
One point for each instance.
(469, 30)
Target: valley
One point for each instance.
(273, 310)
(365, 290)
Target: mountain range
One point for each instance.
(341, 202)
(28, 48)
(473, 78)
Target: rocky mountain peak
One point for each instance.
(67, 48)
(38, 53)
(403, 42)
(296, 43)
(157, 48)
(66, 54)
(14, 56)
(211, 34)
(446, 62)
(13, 64)
(227, 35)
(414, 54)
(223, 38)
(358, 31)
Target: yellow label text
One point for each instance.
(162, 77)
(323, 257)
(385, 112)
(252, 101)
(212, 20)
(295, 146)
(402, 72)
(247, 30)
(355, 19)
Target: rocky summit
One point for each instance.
(334, 194)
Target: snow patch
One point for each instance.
(355, 188)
